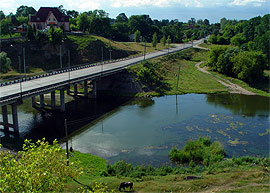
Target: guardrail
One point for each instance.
(64, 83)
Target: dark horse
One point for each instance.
(125, 185)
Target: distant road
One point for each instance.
(34, 85)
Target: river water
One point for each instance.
(144, 131)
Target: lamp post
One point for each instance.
(20, 71)
(69, 66)
(101, 60)
(61, 62)
(110, 50)
(144, 48)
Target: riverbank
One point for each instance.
(184, 72)
(241, 175)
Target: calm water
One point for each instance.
(145, 131)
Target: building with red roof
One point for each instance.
(49, 16)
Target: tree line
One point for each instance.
(120, 28)
(248, 35)
(249, 54)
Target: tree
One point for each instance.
(25, 11)
(40, 167)
(4, 26)
(2, 15)
(169, 41)
(56, 35)
(4, 63)
(137, 36)
(206, 22)
(83, 22)
(249, 66)
(121, 18)
(163, 41)
(154, 41)
(238, 40)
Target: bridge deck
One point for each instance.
(53, 82)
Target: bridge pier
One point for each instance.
(85, 88)
(41, 100)
(94, 89)
(75, 89)
(53, 100)
(15, 122)
(15, 118)
(62, 100)
(5, 118)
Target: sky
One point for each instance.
(183, 10)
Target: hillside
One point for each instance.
(43, 56)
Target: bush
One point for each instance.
(40, 167)
(249, 66)
(201, 151)
(4, 63)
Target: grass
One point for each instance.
(190, 79)
(7, 36)
(82, 41)
(220, 177)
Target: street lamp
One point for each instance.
(61, 62)
(144, 48)
(20, 71)
(110, 50)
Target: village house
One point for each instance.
(49, 16)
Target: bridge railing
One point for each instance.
(28, 77)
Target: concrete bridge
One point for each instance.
(13, 93)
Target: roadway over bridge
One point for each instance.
(14, 93)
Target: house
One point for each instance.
(49, 16)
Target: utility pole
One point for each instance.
(69, 66)
(66, 142)
(178, 78)
(61, 65)
(24, 64)
(110, 50)
(144, 48)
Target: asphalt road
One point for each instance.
(15, 89)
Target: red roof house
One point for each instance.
(49, 16)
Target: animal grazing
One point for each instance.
(125, 185)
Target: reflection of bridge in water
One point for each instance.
(91, 76)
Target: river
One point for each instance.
(143, 131)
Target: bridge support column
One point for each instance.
(62, 100)
(34, 101)
(68, 90)
(53, 100)
(15, 118)
(94, 90)
(41, 97)
(5, 118)
(85, 86)
(75, 89)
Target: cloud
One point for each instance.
(82, 5)
(256, 3)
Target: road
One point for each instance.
(14, 90)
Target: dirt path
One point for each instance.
(233, 88)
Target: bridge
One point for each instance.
(13, 93)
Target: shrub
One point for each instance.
(4, 63)
(201, 151)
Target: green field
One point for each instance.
(228, 175)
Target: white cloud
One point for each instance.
(256, 3)
(82, 5)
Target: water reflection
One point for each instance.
(242, 104)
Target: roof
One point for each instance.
(43, 12)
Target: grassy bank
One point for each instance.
(231, 175)
(190, 79)
(258, 87)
